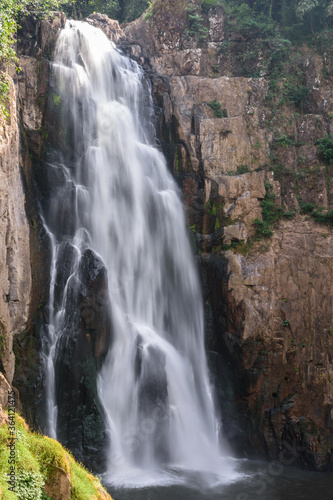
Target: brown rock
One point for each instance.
(4, 389)
(3, 417)
(278, 317)
(110, 27)
(236, 232)
(60, 486)
(15, 275)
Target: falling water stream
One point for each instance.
(126, 208)
(118, 202)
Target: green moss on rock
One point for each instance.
(43, 467)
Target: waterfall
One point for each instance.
(125, 207)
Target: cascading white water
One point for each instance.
(154, 383)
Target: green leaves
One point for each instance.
(10, 13)
(271, 213)
(305, 6)
(325, 148)
(216, 106)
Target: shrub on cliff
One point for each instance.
(122, 10)
(11, 11)
(325, 148)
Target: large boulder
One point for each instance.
(81, 349)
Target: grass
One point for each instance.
(38, 459)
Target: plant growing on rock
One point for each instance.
(38, 459)
(216, 106)
(206, 5)
(319, 214)
(325, 148)
(271, 213)
(11, 11)
(196, 24)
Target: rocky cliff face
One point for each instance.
(86, 340)
(27, 140)
(268, 302)
(15, 271)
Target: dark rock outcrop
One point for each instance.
(81, 349)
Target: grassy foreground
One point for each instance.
(43, 469)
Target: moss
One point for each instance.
(84, 486)
(176, 162)
(38, 458)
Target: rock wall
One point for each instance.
(36, 40)
(15, 271)
(81, 423)
(268, 303)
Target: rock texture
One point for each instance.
(36, 40)
(268, 307)
(86, 340)
(59, 485)
(269, 311)
(80, 353)
(15, 271)
(109, 26)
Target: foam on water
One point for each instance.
(154, 383)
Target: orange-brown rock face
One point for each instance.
(15, 274)
(269, 312)
(269, 307)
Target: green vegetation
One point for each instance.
(214, 208)
(209, 4)
(293, 19)
(38, 459)
(319, 214)
(271, 214)
(285, 141)
(216, 106)
(236, 247)
(2, 342)
(123, 10)
(325, 148)
(196, 24)
(11, 12)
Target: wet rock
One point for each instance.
(153, 398)
(274, 370)
(81, 350)
(109, 26)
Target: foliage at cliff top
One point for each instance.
(295, 19)
(37, 460)
(11, 11)
(123, 10)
